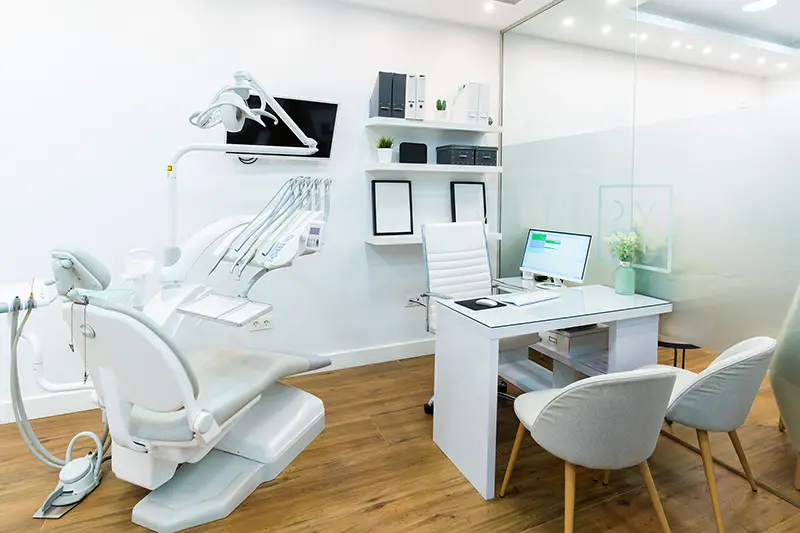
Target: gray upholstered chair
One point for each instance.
(603, 423)
(719, 399)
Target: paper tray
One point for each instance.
(226, 310)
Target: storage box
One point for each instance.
(455, 155)
(486, 156)
(576, 342)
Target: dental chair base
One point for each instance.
(271, 434)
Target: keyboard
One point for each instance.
(526, 298)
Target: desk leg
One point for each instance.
(633, 343)
(465, 389)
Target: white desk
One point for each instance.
(467, 360)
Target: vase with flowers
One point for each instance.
(624, 246)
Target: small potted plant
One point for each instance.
(441, 109)
(624, 246)
(385, 150)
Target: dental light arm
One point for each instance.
(230, 108)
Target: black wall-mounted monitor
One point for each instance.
(316, 119)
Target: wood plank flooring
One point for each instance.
(375, 468)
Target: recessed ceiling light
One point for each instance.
(568, 22)
(707, 50)
(632, 36)
(489, 7)
(690, 47)
(676, 44)
(736, 56)
(643, 37)
(762, 61)
(759, 5)
(782, 65)
(612, 2)
(605, 30)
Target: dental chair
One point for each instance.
(201, 430)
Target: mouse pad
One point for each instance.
(470, 304)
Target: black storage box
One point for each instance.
(414, 153)
(455, 155)
(486, 156)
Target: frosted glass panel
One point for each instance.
(736, 228)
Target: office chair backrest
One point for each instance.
(607, 422)
(456, 262)
(722, 395)
(148, 369)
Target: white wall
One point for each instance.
(96, 97)
(555, 89)
(782, 91)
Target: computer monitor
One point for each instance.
(559, 255)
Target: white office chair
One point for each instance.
(458, 268)
(221, 415)
(719, 399)
(605, 423)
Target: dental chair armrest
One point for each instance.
(205, 427)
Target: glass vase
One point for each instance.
(625, 279)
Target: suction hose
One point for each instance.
(21, 417)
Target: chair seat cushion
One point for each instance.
(228, 381)
(528, 406)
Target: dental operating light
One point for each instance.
(229, 107)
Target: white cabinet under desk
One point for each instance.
(467, 362)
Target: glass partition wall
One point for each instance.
(674, 119)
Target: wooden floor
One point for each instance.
(375, 468)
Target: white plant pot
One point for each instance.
(384, 155)
(441, 115)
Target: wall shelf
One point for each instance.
(436, 125)
(405, 168)
(406, 240)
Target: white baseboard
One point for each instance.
(379, 354)
(50, 404)
(53, 404)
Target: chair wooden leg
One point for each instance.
(607, 477)
(781, 425)
(651, 489)
(521, 432)
(569, 498)
(797, 473)
(737, 444)
(708, 466)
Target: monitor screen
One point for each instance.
(316, 119)
(556, 254)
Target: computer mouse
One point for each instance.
(485, 302)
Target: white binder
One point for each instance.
(411, 96)
(422, 82)
(484, 102)
(465, 108)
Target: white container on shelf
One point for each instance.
(385, 155)
(577, 342)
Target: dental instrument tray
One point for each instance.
(227, 310)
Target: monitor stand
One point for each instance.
(554, 283)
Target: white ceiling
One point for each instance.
(709, 33)
(469, 12)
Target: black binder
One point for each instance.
(381, 101)
(399, 96)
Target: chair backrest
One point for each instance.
(607, 422)
(456, 262)
(148, 369)
(722, 395)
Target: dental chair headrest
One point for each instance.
(76, 269)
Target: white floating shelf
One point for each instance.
(594, 364)
(382, 122)
(404, 240)
(405, 168)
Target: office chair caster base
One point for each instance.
(428, 407)
(502, 387)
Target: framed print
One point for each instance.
(392, 212)
(468, 201)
